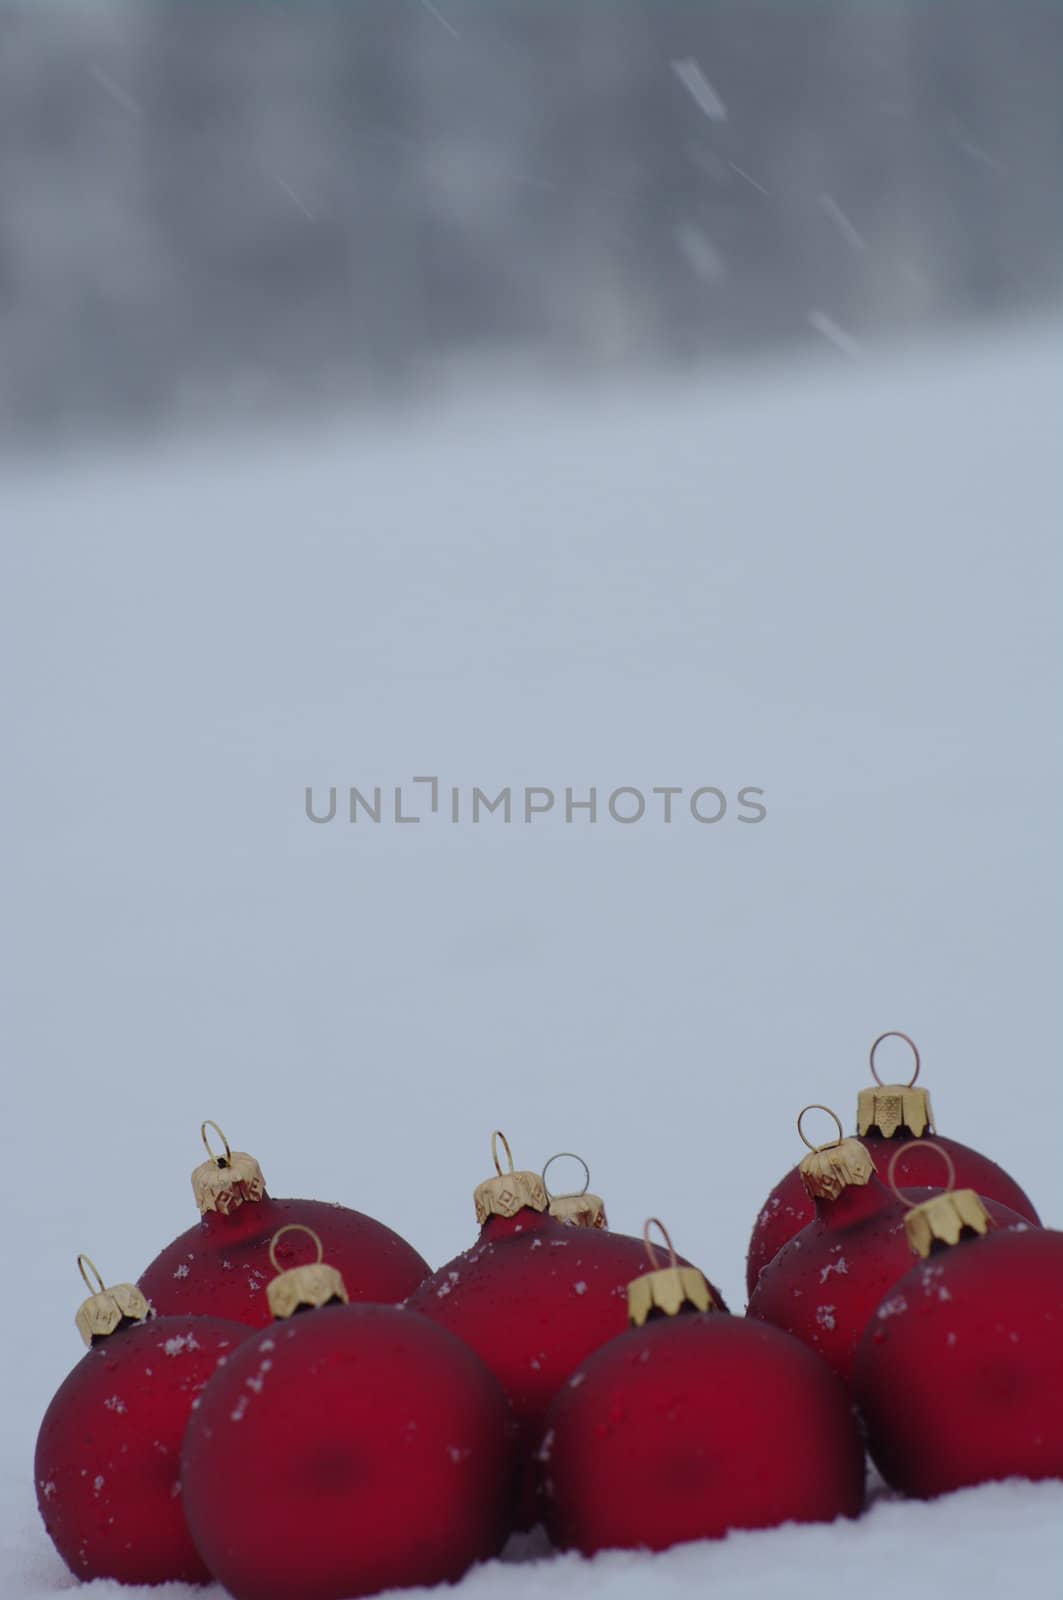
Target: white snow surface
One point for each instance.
(836, 582)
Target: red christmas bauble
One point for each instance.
(959, 1375)
(690, 1426)
(533, 1298)
(108, 1459)
(221, 1266)
(825, 1285)
(349, 1450)
(886, 1115)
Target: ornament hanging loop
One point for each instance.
(222, 1161)
(920, 1144)
(655, 1222)
(86, 1262)
(571, 1156)
(669, 1289)
(295, 1227)
(498, 1134)
(894, 1033)
(831, 1143)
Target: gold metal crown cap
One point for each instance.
(107, 1308)
(310, 1286)
(830, 1168)
(892, 1106)
(825, 1173)
(666, 1289)
(223, 1183)
(885, 1108)
(509, 1192)
(944, 1218)
(583, 1209)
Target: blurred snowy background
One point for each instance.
(549, 394)
(218, 206)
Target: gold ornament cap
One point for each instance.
(945, 1218)
(106, 1309)
(666, 1289)
(830, 1168)
(886, 1108)
(309, 1287)
(582, 1209)
(509, 1192)
(223, 1183)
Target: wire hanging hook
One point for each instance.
(894, 1033)
(920, 1144)
(99, 1287)
(498, 1134)
(655, 1222)
(572, 1156)
(831, 1144)
(294, 1227)
(222, 1161)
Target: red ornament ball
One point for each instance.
(221, 1266)
(880, 1117)
(826, 1284)
(348, 1450)
(959, 1376)
(533, 1298)
(693, 1425)
(108, 1461)
(788, 1208)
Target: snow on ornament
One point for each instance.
(693, 1423)
(220, 1267)
(826, 1283)
(346, 1449)
(107, 1464)
(533, 1297)
(959, 1375)
(885, 1112)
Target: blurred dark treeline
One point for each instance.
(214, 205)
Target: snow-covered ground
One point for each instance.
(836, 584)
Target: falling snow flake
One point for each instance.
(835, 335)
(700, 89)
(852, 235)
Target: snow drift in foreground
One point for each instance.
(837, 585)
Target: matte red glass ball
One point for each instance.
(108, 1460)
(533, 1298)
(348, 1450)
(693, 1425)
(959, 1375)
(788, 1208)
(221, 1266)
(826, 1284)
